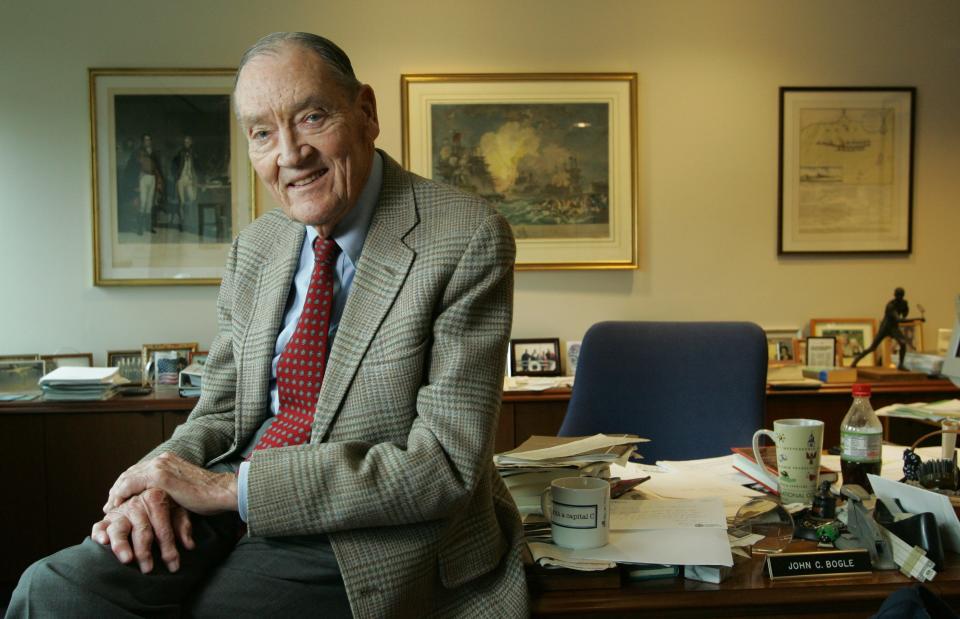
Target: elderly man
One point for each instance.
(349, 400)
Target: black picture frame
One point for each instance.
(535, 357)
(846, 170)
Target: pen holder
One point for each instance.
(937, 474)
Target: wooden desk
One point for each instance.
(746, 593)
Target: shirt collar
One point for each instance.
(351, 231)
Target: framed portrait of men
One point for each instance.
(171, 180)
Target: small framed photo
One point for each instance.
(20, 379)
(913, 331)
(780, 345)
(199, 357)
(130, 363)
(943, 340)
(854, 335)
(535, 357)
(163, 362)
(821, 352)
(68, 360)
(573, 356)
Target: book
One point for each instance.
(744, 462)
(884, 375)
(831, 375)
(649, 571)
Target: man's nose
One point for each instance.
(293, 150)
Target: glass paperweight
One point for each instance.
(766, 517)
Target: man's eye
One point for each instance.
(259, 136)
(313, 117)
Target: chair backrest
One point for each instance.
(695, 389)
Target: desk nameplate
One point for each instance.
(818, 564)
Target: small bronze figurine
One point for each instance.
(893, 314)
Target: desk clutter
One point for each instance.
(699, 519)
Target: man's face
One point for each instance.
(187, 142)
(310, 140)
(147, 143)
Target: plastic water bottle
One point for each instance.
(861, 437)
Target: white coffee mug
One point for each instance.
(578, 509)
(798, 446)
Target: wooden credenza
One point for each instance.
(60, 458)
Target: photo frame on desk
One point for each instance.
(130, 363)
(846, 170)
(820, 352)
(853, 335)
(77, 359)
(535, 357)
(19, 379)
(172, 184)
(781, 346)
(555, 153)
(163, 362)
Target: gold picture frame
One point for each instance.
(854, 335)
(171, 182)
(178, 354)
(555, 153)
(76, 359)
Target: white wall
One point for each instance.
(708, 70)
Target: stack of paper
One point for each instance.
(80, 383)
(190, 378)
(528, 470)
(932, 411)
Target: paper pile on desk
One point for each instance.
(670, 532)
(931, 411)
(81, 384)
(528, 470)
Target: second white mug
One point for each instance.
(578, 509)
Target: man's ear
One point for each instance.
(367, 102)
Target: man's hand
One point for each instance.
(148, 517)
(190, 486)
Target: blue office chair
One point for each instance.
(695, 389)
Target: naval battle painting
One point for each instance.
(554, 154)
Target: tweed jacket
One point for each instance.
(398, 471)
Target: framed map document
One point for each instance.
(846, 170)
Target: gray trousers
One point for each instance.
(221, 577)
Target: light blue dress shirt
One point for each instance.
(349, 235)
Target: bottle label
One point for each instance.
(860, 446)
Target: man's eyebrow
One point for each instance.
(308, 102)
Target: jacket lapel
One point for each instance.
(260, 338)
(384, 264)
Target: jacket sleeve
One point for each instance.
(341, 485)
(210, 429)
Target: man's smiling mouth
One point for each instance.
(303, 182)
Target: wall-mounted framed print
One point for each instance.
(555, 153)
(846, 170)
(535, 357)
(171, 181)
(853, 335)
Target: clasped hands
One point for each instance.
(151, 501)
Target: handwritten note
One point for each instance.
(632, 515)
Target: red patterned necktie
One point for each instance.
(304, 359)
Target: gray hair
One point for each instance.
(328, 51)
